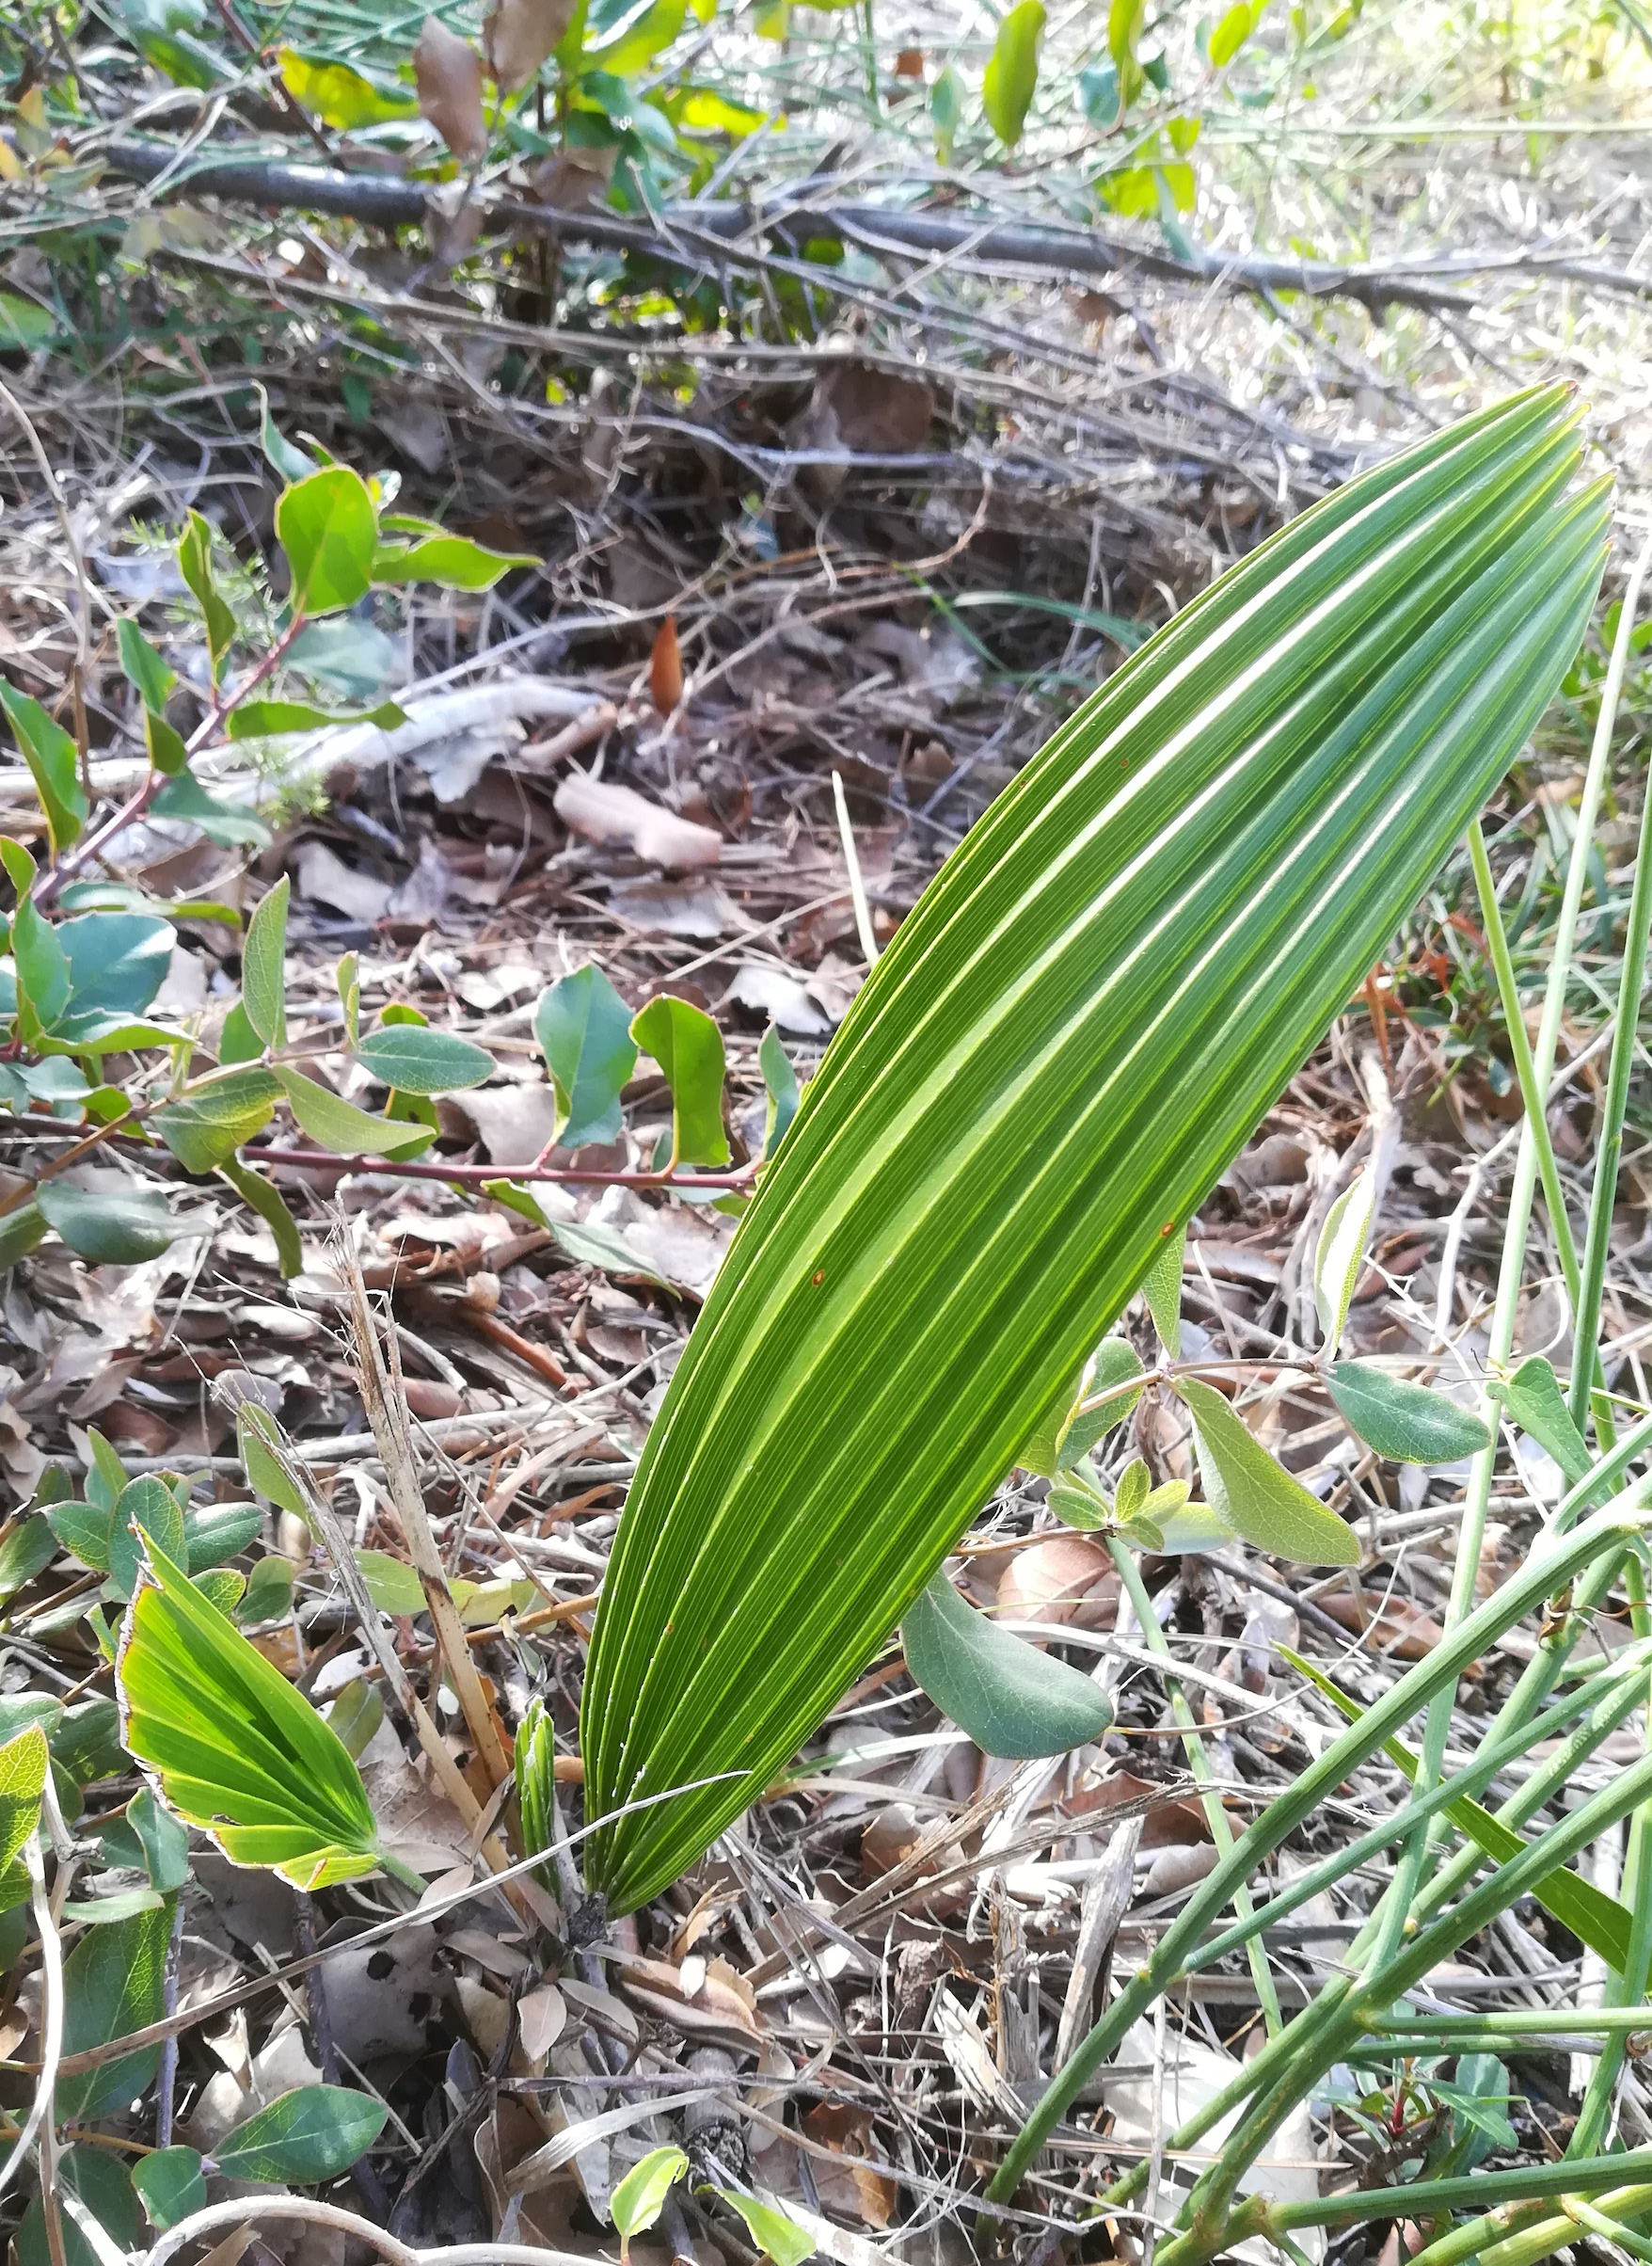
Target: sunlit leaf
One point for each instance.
(1403, 1421)
(1340, 1256)
(1065, 1045)
(637, 2202)
(1255, 1493)
(341, 1127)
(234, 1748)
(1012, 70)
(688, 1045)
(338, 94)
(328, 529)
(1533, 1398)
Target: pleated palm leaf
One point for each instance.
(1071, 1037)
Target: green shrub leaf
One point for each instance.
(328, 529)
(1065, 1045)
(1161, 1286)
(109, 1229)
(206, 1126)
(454, 561)
(1254, 1493)
(27, 1550)
(53, 763)
(417, 1061)
(145, 1505)
(263, 966)
(313, 2133)
(169, 2185)
(1012, 70)
(220, 1531)
(1404, 1422)
(341, 1127)
(1340, 1256)
(688, 1045)
(142, 666)
(23, 1781)
(775, 2230)
(1533, 1398)
(584, 1033)
(232, 1747)
(1010, 1697)
(99, 2180)
(195, 564)
(640, 2197)
(780, 1082)
(271, 1208)
(113, 1981)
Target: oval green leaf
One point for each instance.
(313, 2133)
(1403, 1421)
(328, 529)
(1010, 1697)
(640, 2197)
(1254, 1493)
(417, 1061)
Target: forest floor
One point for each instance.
(896, 551)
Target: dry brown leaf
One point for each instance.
(543, 2015)
(519, 35)
(604, 812)
(665, 668)
(854, 2188)
(1052, 1582)
(908, 63)
(1399, 1629)
(447, 71)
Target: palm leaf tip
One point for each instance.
(1070, 1038)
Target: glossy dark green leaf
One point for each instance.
(1010, 1697)
(1065, 1045)
(109, 1228)
(169, 2185)
(1254, 1493)
(113, 1981)
(328, 529)
(1403, 1421)
(584, 1033)
(688, 1045)
(312, 2134)
(54, 762)
(417, 1061)
(219, 1531)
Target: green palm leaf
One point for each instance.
(1069, 1040)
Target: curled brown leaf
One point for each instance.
(519, 35)
(447, 71)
